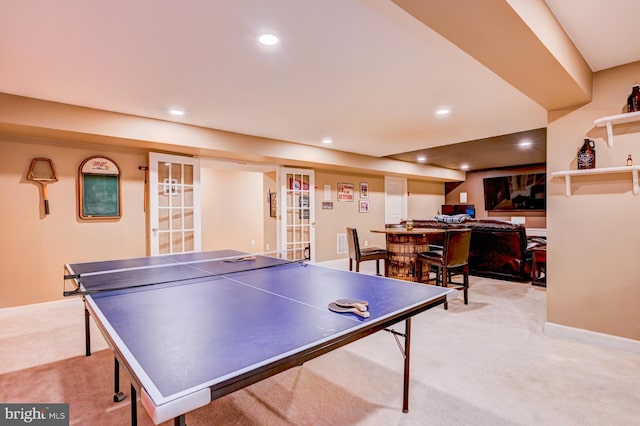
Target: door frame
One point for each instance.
(154, 187)
(284, 208)
(403, 200)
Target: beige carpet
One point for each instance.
(488, 363)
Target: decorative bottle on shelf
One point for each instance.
(587, 155)
(629, 160)
(633, 101)
(409, 224)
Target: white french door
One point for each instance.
(174, 204)
(297, 211)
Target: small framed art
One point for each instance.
(345, 191)
(364, 190)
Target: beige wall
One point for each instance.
(329, 223)
(35, 246)
(594, 236)
(424, 199)
(232, 208)
(474, 188)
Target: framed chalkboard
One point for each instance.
(99, 189)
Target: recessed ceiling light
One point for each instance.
(421, 158)
(176, 112)
(464, 167)
(327, 141)
(443, 111)
(268, 39)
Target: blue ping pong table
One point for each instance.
(191, 328)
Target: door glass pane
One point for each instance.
(188, 174)
(189, 241)
(188, 219)
(163, 241)
(176, 219)
(176, 172)
(176, 199)
(163, 196)
(163, 171)
(163, 219)
(188, 196)
(176, 242)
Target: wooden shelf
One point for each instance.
(612, 120)
(598, 171)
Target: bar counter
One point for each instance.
(402, 248)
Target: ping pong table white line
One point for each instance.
(165, 265)
(284, 297)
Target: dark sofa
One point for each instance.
(498, 248)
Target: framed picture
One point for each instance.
(345, 191)
(364, 206)
(364, 190)
(273, 204)
(99, 189)
(327, 205)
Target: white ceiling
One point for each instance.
(602, 30)
(362, 72)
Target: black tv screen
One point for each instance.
(518, 192)
(453, 209)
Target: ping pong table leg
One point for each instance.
(407, 343)
(117, 395)
(87, 332)
(134, 406)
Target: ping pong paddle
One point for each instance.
(361, 305)
(333, 306)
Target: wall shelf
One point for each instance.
(598, 171)
(612, 120)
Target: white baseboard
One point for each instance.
(593, 337)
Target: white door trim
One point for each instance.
(295, 228)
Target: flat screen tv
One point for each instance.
(453, 209)
(518, 192)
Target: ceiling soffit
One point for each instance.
(553, 74)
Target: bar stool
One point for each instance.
(362, 255)
(454, 255)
